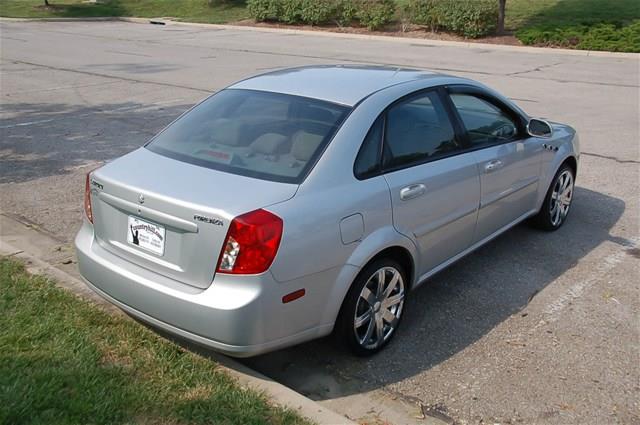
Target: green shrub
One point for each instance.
(470, 18)
(291, 11)
(264, 10)
(375, 14)
(370, 13)
(316, 12)
(346, 11)
(423, 12)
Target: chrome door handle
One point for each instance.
(412, 191)
(492, 165)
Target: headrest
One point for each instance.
(305, 144)
(268, 144)
(226, 132)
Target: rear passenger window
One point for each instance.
(418, 130)
(485, 122)
(368, 159)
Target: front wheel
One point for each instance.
(557, 203)
(373, 308)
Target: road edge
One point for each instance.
(17, 245)
(322, 33)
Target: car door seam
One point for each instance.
(510, 191)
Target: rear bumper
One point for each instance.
(239, 316)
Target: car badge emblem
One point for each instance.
(141, 198)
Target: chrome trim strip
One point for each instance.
(148, 213)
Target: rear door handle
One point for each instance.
(412, 191)
(492, 165)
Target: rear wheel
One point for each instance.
(557, 203)
(373, 308)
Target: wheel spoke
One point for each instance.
(388, 316)
(363, 319)
(381, 280)
(379, 328)
(392, 284)
(368, 296)
(367, 335)
(391, 301)
(559, 184)
(556, 216)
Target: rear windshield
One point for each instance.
(270, 136)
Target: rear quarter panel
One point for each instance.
(312, 252)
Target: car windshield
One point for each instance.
(265, 135)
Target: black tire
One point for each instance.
(345, 330)
(545, 219)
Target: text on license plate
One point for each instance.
(146, 235)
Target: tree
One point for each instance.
(501, 12)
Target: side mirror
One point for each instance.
(539, 128)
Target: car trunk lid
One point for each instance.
(170, 216)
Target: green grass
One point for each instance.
(185, 10)
(612, 25)
(63, 361)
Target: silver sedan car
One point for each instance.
(312, 200)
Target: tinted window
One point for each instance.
(258, 134)
(486, 123)
(368, 160)
(418, 130)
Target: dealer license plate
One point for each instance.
(146, 235)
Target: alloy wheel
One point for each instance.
(561, 198)
(379, 307)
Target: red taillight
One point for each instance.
(87, 198)
(251, 244)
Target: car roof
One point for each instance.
(344, 84)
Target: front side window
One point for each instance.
(418, 130)
(486, 124)
(265, 135)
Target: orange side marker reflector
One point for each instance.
(293, 296)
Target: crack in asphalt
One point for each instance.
(98, 74)
(591, 83)
(612, 158)
(538, 68)
(128, 53)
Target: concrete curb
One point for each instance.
(25, 243)
(402, 40)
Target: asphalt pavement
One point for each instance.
(533, 328)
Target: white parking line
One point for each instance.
(23, 124)
(576, 290)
